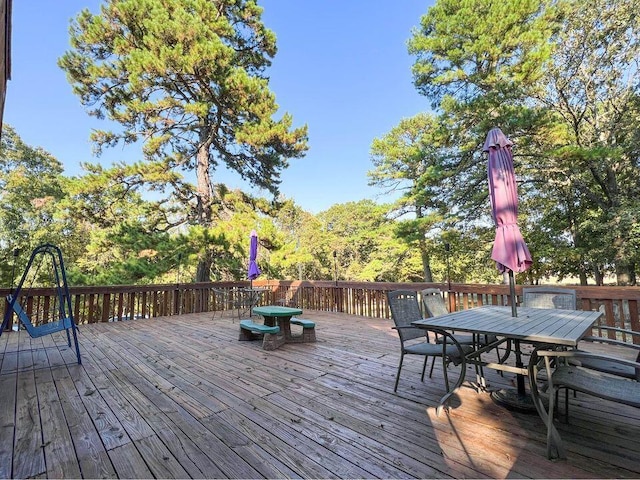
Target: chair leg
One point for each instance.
(479, 369)
(395, 388)
(552, 399)
(566, 403)
(444, 372)
(424, 367)
(433, 362)
(480, 378)
(499, 360)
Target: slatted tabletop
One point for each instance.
(277, 311)
(560, 327)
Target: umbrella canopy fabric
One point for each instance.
(509, 248)
(253, 271)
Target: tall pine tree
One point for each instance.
(187, 79)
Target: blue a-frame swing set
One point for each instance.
(65, 314)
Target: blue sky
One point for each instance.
(342, 68)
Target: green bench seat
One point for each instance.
(303, 323)
(258, 327)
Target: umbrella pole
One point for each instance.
(517, 399)
(250, 297)
(512, 294)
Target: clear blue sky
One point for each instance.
(342, 68)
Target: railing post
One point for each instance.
(451, 297)
(176, 301)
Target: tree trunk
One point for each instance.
(623, 274)
(426, 264)
(597, 274)
(204, 195)
(203, 270)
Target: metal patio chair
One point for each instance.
(567, 369)
(220, 301)
(244, 299)
(405, 309)
(434, 305)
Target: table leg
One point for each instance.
(273, 341)
(285, 327)
(283, 322)
(270, 321)
(519, 378)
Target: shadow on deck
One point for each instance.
(182, 397)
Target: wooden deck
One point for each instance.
(182, 397)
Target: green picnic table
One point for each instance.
(277, 326)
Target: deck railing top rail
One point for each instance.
(112, 303)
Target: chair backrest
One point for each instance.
(220, 298)
(433, 302)
(405, 309)
(548, 297)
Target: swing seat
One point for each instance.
(40, 330)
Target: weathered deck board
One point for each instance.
(28, 458)
(7, 422)
(181, 397)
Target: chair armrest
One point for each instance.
(616, 329)
(403, 327)
(613, 341)
(577, 354)
(624, 331)
(610, 341)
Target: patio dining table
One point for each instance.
(554, 327)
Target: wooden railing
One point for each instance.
(114, 303)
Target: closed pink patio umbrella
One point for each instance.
(509, 248)
(253, 271)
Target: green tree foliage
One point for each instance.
(411, 160)
(186, 78)
(362, 236)
(561, 79)
(470, 50)
(127, 239)
(301, 245)
(32, 192)
(112, 233)
(592, 84)
(237, 215)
